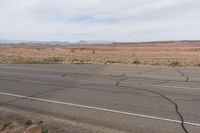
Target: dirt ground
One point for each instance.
(14, 120)
(154, 53)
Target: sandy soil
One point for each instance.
(13, 120)
(154, 53)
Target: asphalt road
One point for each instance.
(127, 98)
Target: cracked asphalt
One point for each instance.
(121, 97)
(183, 74)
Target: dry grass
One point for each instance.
(126, 54)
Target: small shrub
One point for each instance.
(82, 49)
(41, 122)
(72, 50)
(28, 122)
(93, 51)
(44, 130)
(6, 125)
(175, 63)
(136, 61)
(112, 62)
(156, 64)
(11, 126)
(53, 60)
(75, 61)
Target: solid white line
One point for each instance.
(97, 108)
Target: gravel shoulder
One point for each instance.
(14, 120)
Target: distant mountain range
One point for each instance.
(191, 43)
(2, 41)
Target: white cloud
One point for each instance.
(116, 20)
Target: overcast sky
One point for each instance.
(110, 20)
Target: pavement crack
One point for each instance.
(163, 96)
(183, 74)
(64, 75)
(122, 79)
(176, 108)
(187, 79)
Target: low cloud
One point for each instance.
(111, 20)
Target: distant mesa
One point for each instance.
(81, 42)
(190, 43)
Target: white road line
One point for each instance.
(99, 109)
